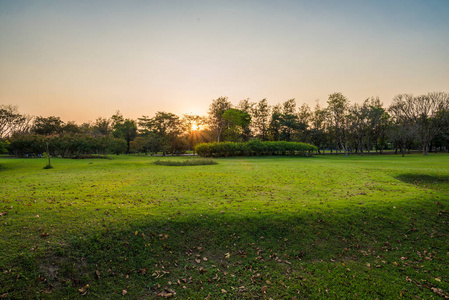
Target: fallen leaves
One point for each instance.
(166, 293)
(159, 274)
(143, 271)
(83, 290)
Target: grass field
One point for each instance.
(359, 227)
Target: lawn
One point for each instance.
(359, 227)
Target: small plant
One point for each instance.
(48, 166)
(189, 162)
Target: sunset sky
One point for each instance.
(83, 59)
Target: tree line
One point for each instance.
(410, 122)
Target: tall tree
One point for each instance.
(102, 126)
(318, 127)
(304, 118)
(124, 128)
(260, 119)
(289, 121)
(236, 123)
(337, 112)
(357, 126)
(216, 121)
(165, 129)
(71, 127)
(47, 125)
(192, 126)
(247, 107)
(275, 123)
(426, 112)
(377, 121)
(11, 121)
(403, 129)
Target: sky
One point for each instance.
(80, 60)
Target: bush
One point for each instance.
(4, 145)
(254, 148)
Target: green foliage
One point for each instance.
(236, 121)
(254, 148)
(47, 125)
(125, 129)
(4, 145)
(189, 162)
(163, 133)
(65, 145)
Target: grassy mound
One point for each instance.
(189, 162)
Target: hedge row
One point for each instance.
(65, 145)
(253, 148)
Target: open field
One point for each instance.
(361, 227)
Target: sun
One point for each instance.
(195, 126)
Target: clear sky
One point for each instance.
(83, 59)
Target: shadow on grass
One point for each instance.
(200, 255)
(425, 180)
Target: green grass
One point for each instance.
(281, 227)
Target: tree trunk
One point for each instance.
(424, 149)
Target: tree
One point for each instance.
(403, 129)
(337, 113)
(318, 127)
(289, 120)
(236, 123)
(304, 119)
(138, 145)
(12, 122)
(192, 126)
(102, 126)
(166, 129)
(377, 122)
(216, 110)
(71, 127)
(356, 126)
(260, 119)
(247, 107)
(426, 112)
(124, 128)
(47, 125)
(275, 123)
